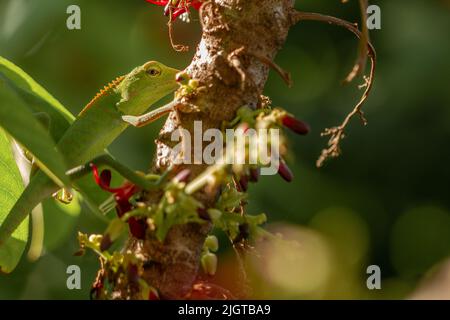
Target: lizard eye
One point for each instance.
(153, 72)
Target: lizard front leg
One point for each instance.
(143, 120)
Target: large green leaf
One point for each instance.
(22, 80)
(11, 187)
(59, 220)
(18, 120)
(37, 98)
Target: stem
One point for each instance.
(337, 133)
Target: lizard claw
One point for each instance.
(134, 121)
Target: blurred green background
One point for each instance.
(385, 201)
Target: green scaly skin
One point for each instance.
(97, 126)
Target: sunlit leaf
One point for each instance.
(23, 81)
(59, 220)
(11, 187)
(18, 120)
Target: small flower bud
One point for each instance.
(137, 227)
(212, 243)
(243, 183)
(193, 83)
(133, 274)
(295, 125)
(285, 172)
(95, 238)
(214, 213)
(182, 76)
(80, 253)
(244, 233)
(244, 126)
(153, 294)
(254, 174)
(183, 175)
(203, 214)
(209, 263)
(106, 243)
(105, 177)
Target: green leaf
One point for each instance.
(40, 101)
(59, 220)
(37, 98)
(23, 81)
(11, 187)
(18, 120)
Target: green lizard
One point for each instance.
(95, 128)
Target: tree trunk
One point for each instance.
(240, 39)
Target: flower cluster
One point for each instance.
(122, 196)
(117, 270)
(266, 118)
(177, 8)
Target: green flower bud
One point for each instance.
(209, 263)
(212, 243)
(214, 213)
(193, 83)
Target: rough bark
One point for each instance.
(239, 37)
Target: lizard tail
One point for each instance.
(40, 188)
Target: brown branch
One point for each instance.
(261, 27)
(337, 133)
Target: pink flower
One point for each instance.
(175, 8)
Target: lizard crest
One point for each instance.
(106, 90)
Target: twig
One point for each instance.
(176, 47)
(337, 133)
(234, 60)
(361, 59)
(286, 76)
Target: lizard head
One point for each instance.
(146, 85)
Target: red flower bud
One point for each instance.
(153, 294)
(295, 125)
(106, 243)
(105, 177)
(137, 227)
(285, 172)
(244, 233)
(183, 175)
(243, 182)
(203, 214)
(244, 126)
(133, 274)
(254, 174)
